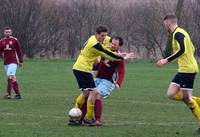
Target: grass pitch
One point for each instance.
(139, 109)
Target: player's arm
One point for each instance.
(19, 52)
(95, 67)
(180, 38)
(105, 53)
(120, 73)
(1, 48)
(97, 61)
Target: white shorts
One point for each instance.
(104, 87)
(10, 69)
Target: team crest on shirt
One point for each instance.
(10, 42)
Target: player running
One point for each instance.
(12, 55)
(181, 87)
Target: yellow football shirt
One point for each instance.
(186, 60)
(92, 49)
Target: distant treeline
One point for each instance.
(52, 29)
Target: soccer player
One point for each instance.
(110, 75)
(12, 55)
(181, 87)
(83, 67)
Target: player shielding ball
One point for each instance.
(110, 75)
(181, 87)
(11, 52)
(83, 67)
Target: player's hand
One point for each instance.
(130, 55)
(117, 87)
(20, 64)
(162, 62)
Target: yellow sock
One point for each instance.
(79, 101)
(195, 109)
(179, 96)
(90, 111)
(197, 99)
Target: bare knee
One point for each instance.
(172, 90)
(98, 97)
(170, 95)
(187, 96)
(187, 99)
(85, 94)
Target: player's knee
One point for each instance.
(85, 94)
(170, 95)
(187, 100)
(94, 93)
(10, 77)
(98, 97)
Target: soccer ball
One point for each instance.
(75, 113)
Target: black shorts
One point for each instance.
(85, 80)
(184, 80)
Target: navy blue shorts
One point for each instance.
(85, 80)
(184, 80)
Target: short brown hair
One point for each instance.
(121, 42)
(170, 16)
(7, 28)
(100, 29)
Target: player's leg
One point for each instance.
(15, 85)
(80, 100)
(87, 85)
(98, 110)
(174, 88)
(89, 117)
(81, 77)
(91, 102)
(104, 89)
(10, 72)
(84, 110)
(186, 85)
(174, 91)
(84, 107)
(191, 103)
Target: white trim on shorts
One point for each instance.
(178, 85)
(186, 89)
(89, 89)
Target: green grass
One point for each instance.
(140, 109)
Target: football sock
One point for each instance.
(84, 110)
(16, 87)
(9, 86)
(90, 111)
(98, 109)
(79, 101)
(195, 109)
(178, 96)
(197, 99)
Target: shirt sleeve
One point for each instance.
(120, 72)
(19, 51)
(180, 38)
(105, 53)
(1, 48)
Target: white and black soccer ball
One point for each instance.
(75, 113)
